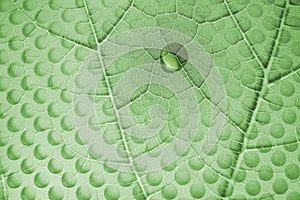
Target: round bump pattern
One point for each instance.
(44, 156)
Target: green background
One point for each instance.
(255, 45)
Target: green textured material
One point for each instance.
(255, 45)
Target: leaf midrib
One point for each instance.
(260, 97)
(115, 110)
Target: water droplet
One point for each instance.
(173, 57)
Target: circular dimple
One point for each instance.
(253, 187)
(96, 179)
(277, 130)
(16, 17)
(54, 138)
(169, 192)
(235, 91)
(154, 178)
(27, 166)
(28, 193)
(293, 196)
(81, 54)
(292, 171)
(15, 43)
(3, 57)
(56, 193)
(42, 123)
(41, 179)
(14, 96)
(15, 69)
(41, 152)
(278, 158)
(14, 152)
(66, 123)
(55, 166)
(66, 43)
(82, 165)
(82, 110)
(125, 179)
(169, 167)
(251, 159)
(68, 16)
(182, 177)
(29, 5)
(287, 89)
(290, 144)
(263, 117)
(255, 10)
(83, 193)
(40, 96)
(53, 5)
(67, 153)
(280, 186)
(43, 68)
(224, 161)
(226, 134)
(276, 103)
(81, 27)
(286, 62)
(69, 68)
(27, 138)
(195, 163)
(295, 48)
(54, 55)
(41, 42)
(53, 110)
(28, 29)
(111, 193)
(265, 173)
(68, 179)
(14, 125)
(289, 116)
(240, 176)
(210, 177)
(197, 190)
(66, 96)
(5, 30)
(14, 180)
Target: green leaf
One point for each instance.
(136, 99)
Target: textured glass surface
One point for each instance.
(149, 99)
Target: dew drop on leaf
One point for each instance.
(173, 57)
